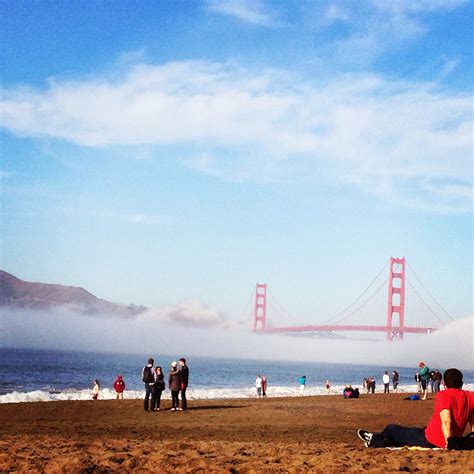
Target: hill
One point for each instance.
(16, 293)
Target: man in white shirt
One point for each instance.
(258, 386)
(386, 382)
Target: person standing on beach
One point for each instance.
(148, 378)
(119, 387)
(453, 410)
(174, 382)
(328, 387)
(424, 377)
(258, 386)
(95, 390)
(184, 382)
(302, 382)
(395, 378)
(264, 386)
(386, 382)
(158, 388)
(437, 377)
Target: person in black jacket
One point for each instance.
(184, 382)
(158, 389)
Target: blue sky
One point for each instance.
(163, 152)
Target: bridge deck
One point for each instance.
(329, 328)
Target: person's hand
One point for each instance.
(182, 386)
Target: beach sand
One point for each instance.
(305, 434)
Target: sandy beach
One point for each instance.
(241, 435)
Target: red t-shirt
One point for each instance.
(461, 405)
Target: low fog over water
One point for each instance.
(450, 346)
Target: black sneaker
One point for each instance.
(365, 436)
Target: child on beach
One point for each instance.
(95, 390)
(119, 387)
(302, 382)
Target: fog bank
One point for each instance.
(451, 346)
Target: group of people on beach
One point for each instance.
(153, 378)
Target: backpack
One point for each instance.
(148, 375)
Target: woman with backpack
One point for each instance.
(174, 382)
(148, 378)
(157, 389)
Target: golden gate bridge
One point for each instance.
(400, 298)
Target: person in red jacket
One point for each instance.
(119, 386)
(453, 410)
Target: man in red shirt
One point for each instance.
(453, 409)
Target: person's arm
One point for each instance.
(445, 416)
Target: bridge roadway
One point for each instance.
(328, 328)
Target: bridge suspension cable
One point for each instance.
(427, 291)
(340, 313)
(286, 314)
(374, 294)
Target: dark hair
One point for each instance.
(182, 360)
(453, 378)
(151, 361)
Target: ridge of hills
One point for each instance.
(19, 294)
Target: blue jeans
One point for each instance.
(396, 435)
(148, 393)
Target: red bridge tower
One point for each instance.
(260, 311)
(396, 299)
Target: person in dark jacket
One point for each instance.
(157, 389)
(184, 382)
(174, 383)
(148, 378)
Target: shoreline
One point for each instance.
(295, 434)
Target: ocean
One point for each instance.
(45, 375)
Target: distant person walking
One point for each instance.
(264, 386)
(184, 382)
(119, 387)
(424, 377)
(370, 385)
(437, 377)
(148, 378)
(386, 382)
(328, 387)
(174, 382)
(158, 388)
(302, 382)
(95, 390)
(395, 378)
(258, 386)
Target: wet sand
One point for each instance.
(307, 434)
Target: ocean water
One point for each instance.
(44, 375)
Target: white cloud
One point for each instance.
(248, 11)
(400, 140)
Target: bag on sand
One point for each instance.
(148, 375)
(462, 443)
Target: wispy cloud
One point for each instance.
(248, 11)
(385, 137)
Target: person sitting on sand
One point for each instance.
(258, 386)
(95, 390)
(119, 387)
(453, 409)
(302, 382)
(158, 389)
(174, 382)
